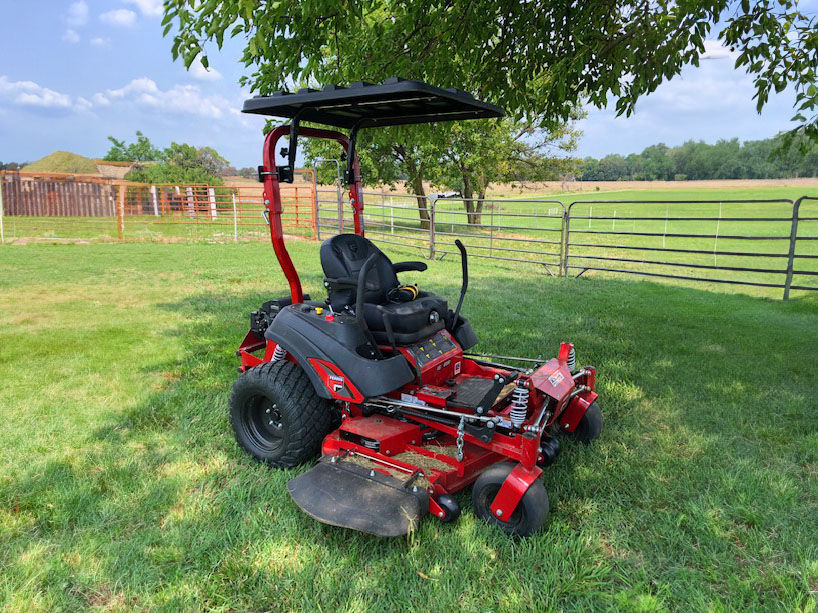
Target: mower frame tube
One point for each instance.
(272, 197)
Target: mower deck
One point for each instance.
(348, 495)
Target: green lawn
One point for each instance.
(121, 487)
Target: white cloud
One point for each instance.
(707, 103)
(199, 72)
(28, 93)
(71, 36)
(181, 99)
(77, 14)
(119, 17)
(714, 50)
(100, 42)
(82, 104)
(149, 8)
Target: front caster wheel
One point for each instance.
(531, 511)
(276, 415)
(590, 426)
(450, 506)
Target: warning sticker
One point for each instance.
(556, 378)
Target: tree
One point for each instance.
(474, 154)
(525, 55)
(140, 151)
(178, 163)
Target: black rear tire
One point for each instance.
(531, 511)
(276, 415)
(590, 426)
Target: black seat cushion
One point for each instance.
(342, 257)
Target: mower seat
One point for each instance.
(342, 257)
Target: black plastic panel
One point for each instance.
(391, 103)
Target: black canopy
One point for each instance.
(393, 102)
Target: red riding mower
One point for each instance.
(376, 377)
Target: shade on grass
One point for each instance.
(121, 486)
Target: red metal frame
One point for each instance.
(272, 198)
(551, 387)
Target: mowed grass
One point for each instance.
(121, 487)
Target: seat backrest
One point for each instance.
(342, 257)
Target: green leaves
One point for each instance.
(536, 57)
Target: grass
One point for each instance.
(121, 487)
(63, 161)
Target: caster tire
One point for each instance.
(590, 426)
(531, 511)
(450, 507)
(276, 415)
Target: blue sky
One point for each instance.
(76, 71)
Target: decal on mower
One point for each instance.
(336, 383)
(556, 378)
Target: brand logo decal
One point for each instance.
(556, 378)
(336, 383)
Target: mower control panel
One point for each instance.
(426, 351)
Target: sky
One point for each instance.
(77, 71)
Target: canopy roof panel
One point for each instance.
(394, 102)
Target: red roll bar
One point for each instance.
(272, 198)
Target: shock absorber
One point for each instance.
(519, 403)
(572, 359)
(279, 353)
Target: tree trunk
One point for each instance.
(416, 181)
(468, 199)
(478, 208)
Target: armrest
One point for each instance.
(341, 282)
(407, 266)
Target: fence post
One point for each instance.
(793, 240)
(491, 231)
(212, 194)
(2, 234)
(430, 205)
(316, 226)
(155, 203)
(566, 230)
(235, 221)
(120, 212)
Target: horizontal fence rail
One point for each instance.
(770, 243)
(756, 243)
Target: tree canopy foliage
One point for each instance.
(726, 159)
(537, 56)
(178, 163)
(466, 157)
(140, 151)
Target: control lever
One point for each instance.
(464, 261)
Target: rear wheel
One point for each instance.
(531, 511)
(276, 415)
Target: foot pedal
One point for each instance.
(352, 496)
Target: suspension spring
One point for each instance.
(279, 353)
(572, 359)
(519, 404)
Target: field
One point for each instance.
(121, 487)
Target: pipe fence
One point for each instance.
(770, 243)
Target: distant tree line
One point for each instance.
(13, 165)
(179, 163)
(771, 158)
